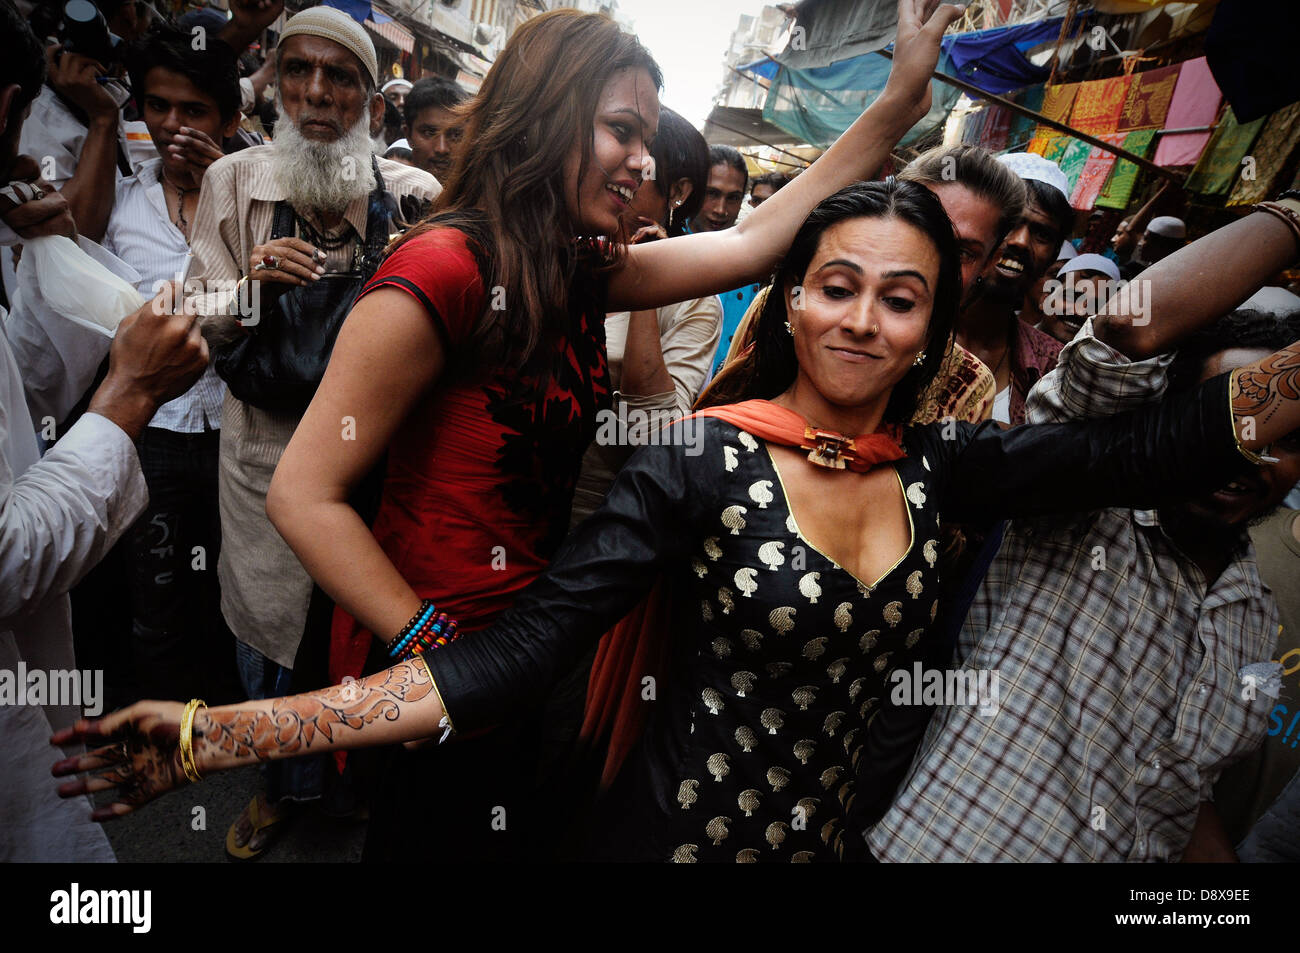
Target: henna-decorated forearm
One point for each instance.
(395, 705)
(1266, 398)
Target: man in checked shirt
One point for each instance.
(1121, 638)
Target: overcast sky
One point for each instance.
(688, 38)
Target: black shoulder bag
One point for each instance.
(278, 364)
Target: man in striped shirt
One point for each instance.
(1132, 646)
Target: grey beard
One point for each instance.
(326, 176)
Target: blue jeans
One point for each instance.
(298, 779)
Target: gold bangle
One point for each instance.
(1258, 459)
(187, 740)
(450, 729)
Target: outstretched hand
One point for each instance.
(916, 50)
(138, 758)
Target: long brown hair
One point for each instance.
(506, 187)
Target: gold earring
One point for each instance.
(920, 359)
(789, 330)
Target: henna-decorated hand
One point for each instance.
(139, 759)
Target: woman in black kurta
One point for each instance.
(773, 736)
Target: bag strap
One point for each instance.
(379, 223)
(283, 224)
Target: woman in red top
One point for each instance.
(476, 361)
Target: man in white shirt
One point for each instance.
(61, 513)
(189, 99)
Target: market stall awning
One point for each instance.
(827, 31)
(443, 31)
(817, 105)
(742, 128)
(389, 29)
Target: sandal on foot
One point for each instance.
(259, 823)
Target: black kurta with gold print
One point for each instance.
(791, 660)
(773, 735)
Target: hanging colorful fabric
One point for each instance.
(1095, 170)
(1147, 102)
(1055, 148)
(1195, 103)
(1270, 152)
(1119, 187)
(996, 128)
(1073, 159)
(1221, 161)
(1022, 127)
(1098, 104)
(1058, 100)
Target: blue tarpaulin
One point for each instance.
(766, 68)
(996, 61)
(358, 10)
(818, 104)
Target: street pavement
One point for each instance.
(165, 830)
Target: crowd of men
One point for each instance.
(134, 470)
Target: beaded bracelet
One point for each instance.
(428, 629)
(408, 631)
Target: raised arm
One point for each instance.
(1134, 459)
(602, 569)
(1196, 285)
(1138, 223)
(692, 266)
(1186, 443)
(89, 190)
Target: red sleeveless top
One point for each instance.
(480, 475)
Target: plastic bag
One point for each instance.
(76, 286)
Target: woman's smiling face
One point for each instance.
(627, 116)
(863, 311)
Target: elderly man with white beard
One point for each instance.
(297, 226)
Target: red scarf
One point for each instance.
(638, 646)
(778, 425)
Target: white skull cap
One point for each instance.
(1091, 262)
(1277, 301)
(331, 24)
(1168, 227)
(1067, 252)
(1029, 165)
